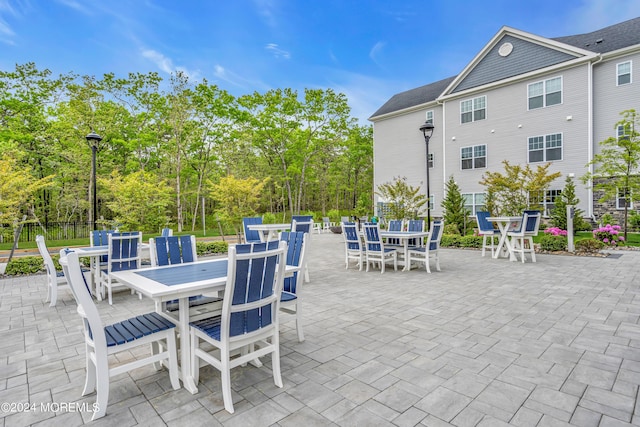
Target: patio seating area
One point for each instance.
(483, 342)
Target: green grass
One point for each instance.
(85, 242)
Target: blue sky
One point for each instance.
(367, 49)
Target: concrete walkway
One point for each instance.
(484, 342)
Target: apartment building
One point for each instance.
(523, 98)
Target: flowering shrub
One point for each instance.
(609, 234)
(555, 231)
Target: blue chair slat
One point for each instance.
(210, 326)
(162, 255)
(174, 251)
(531, 220)
(415, 225)
(294, 241)
(135, 328)
(187, 249)
(101, 238)
(124, 249)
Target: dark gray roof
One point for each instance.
(417, 96)
(605, 40)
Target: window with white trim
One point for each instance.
(474, 157)
(474, 202)
(624, 131)
(545, 93)
(430, 160)
(429, 116)
(432, 203)
(472, 110)
(624, 198)
(623, 73)
(547, 200)
(545, 148)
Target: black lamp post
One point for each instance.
(93, 139)
(427, 131)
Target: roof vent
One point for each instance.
(599, 40)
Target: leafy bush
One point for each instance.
(609, 235)
(25, 265)
(451, 240)
(634, 221)
(589, 245)
(607, 219)
(471, 241)
(212, 248)
(451, 229)
(553, 242)
(334, 215)
(269, 218)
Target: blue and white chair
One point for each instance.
(303, 223)
(124, 254)
(430, 250)
(54, 278)
(522, 238)
(375, 249)
(415, 225)
(252, 236)
(352, 244)
(102, 342)
(291, 301)
(487, 231)
(248, 327)
(174, 250)
(395, 225)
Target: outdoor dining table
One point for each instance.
(404, 237)
(94, 253)
(505, 224)
(181, 281)
(269, 231)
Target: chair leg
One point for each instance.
(426, 262)
(102, 392)
(53, 292)
(275, 360)
(225, 378)
(90, 379)
(299, 322)
(437, 257)
(173, 359)
(484, 244)
(195, 360)
(533, 250)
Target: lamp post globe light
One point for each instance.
(93, 139)
(427, 131)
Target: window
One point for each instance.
(430, 160)
(472, 110)
(431, 202)
(624, 131)
(547, 200)
(429, 116)
(624, 73)
(474, 202)
(545, 148)
(624, 198)
(473, 157)
(545, 93)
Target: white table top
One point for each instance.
(99, 250)
(268, 227)
(403, 234)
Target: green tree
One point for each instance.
(617, 163)
(454, 211)
(559, 213)
(518, 188)
(140, 201)
(405, 201)
(238, 198)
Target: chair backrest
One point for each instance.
(344, 219)
(255, 276)
(93, 327)
(351, 236)
(415, 225)
(303, 226)
(100, 238)
(326, 220)
(46, 257)
(435, 234)
(396, 225)
(124, 251)
(483, 222)
(166, 232)
(372, 240)
(172, 250)
(296, 248)
(251, 236)
(531, 220)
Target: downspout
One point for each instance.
(444, 151)
(590, 147)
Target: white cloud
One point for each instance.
(375, 51)
(266, 9)
(75, 6)
(277, 52)
(166, 64)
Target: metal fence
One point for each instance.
(54, 231)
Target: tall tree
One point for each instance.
(518, 188)
(405, 201)
(454, 207)
(559, 213)
(617, 164)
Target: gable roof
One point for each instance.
(612, 38)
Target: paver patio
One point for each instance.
(484, 342)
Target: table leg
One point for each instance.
(406, 255)
(502, 241)
(185, 346)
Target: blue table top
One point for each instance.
(186, 273)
